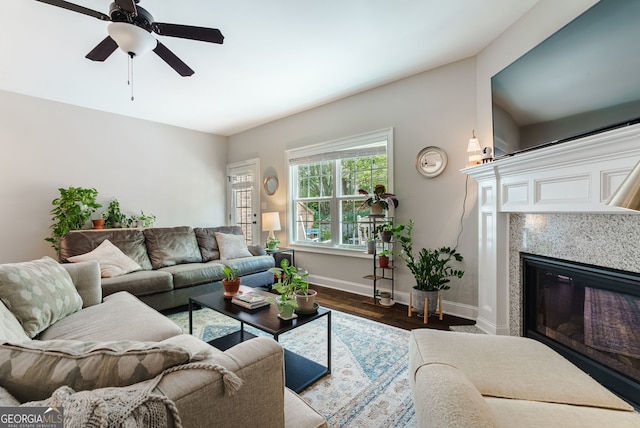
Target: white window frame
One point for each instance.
(327, 151)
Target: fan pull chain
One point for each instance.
(130, 74)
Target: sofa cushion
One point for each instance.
(195, 273)
(105, 322)
(10, 328)
(130, 241)
(86, 279)
(38, 293)
(139, 283)
(207, 240)
(248, 265)
(33, 370)
(113, 262)
(511, 367)
(232, 246)
(169, 246)
(452, 400)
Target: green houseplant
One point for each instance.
(71, 211)
(379, 200)
(383, 258)
(389, 230)
(431, 268)
(113, 217)
(292, 283)
(230, 282)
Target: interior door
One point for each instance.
(243, 190)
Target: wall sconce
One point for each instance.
(628, 194)
(474, 151)
(271, 223)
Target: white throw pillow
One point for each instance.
(232, 246)
(112, 261)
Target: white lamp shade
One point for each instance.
(474, 145)
(131, 38)
(628, 194)
(270, 221)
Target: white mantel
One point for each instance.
(573, 177)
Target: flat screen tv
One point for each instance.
(583, 79)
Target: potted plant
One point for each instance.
(383, 258)
(292, 283)
(71, 211)
(113, 217)
(272, 243)
(389, 231)
(230, 282)
(379, 200)
(431, 268)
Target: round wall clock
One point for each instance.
(431, 161)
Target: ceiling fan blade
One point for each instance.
(104, 49)
(80, 9)
(170, 58)
(128, 6)
(212, 35)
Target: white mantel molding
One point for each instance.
(575, 176)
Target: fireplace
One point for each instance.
(589, 314)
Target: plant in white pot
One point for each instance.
(292, 283)
(379, 200)
(431, 269)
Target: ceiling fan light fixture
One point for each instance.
(131, 38)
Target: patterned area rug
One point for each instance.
(368, 386)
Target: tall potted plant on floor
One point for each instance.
(431, 268)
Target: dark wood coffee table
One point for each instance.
(300, 372)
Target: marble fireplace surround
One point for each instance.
(552, 202)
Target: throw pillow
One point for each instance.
(38, 293)
(33, 370)
(10, 328)
(232, 246)
(113, 262)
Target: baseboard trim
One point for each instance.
(451, 308)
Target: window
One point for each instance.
(324, 182)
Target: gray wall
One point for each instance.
(174, 173)
(432, 108)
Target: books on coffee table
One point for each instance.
(250, 300)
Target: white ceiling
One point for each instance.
(279, 57)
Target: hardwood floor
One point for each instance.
(396, 315)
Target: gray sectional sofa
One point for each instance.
(117, 362)
(175, 263)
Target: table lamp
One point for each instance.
(271, 222)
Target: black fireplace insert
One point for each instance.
(589, 314)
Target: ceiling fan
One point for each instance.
(130, 30)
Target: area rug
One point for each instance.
(368, 386)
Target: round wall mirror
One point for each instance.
(271, 184)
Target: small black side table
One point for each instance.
(279, 253)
